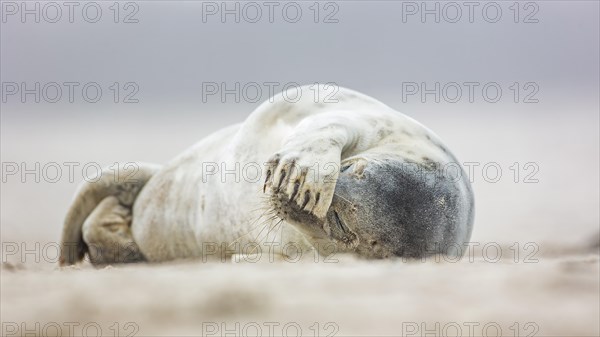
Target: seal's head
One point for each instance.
(389, 208)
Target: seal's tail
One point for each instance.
(123, 181)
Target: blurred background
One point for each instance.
(528, 131)
(382, 48)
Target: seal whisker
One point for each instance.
(264, 225)
(262, 208)
(253, 226)
(261, 204)
(270, 229)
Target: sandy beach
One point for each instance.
(545, 283)
(556, 296)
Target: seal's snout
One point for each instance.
(296, 215)
(333, 228)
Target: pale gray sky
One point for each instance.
(171, 51)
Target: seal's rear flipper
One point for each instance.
(123, 183)
(107, 234)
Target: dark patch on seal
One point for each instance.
(287, 108)
(404, 132)
(314, 150)
(382, 133)
(428, 164)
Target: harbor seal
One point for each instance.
(352, 176)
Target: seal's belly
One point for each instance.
(210, 195)
(169, 211)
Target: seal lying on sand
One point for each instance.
(350, 176)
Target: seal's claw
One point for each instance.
(282, 176)
(304, 179)
(266, 181)
(295, 190)
(306, 199)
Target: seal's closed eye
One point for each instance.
(344, 168)
(339, 231)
